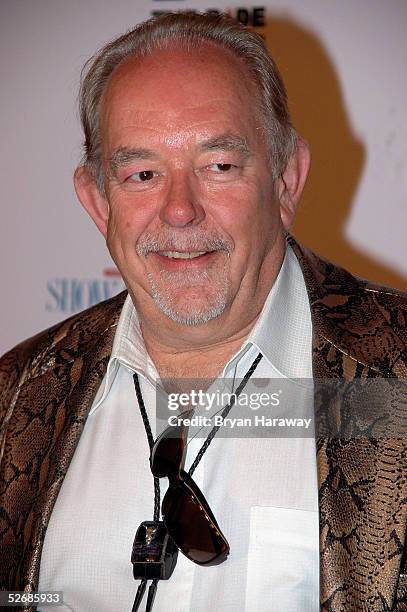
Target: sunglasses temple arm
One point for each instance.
(151, 595)
(139, 595)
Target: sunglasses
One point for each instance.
(186, 513)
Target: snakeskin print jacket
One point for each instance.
(48, 383)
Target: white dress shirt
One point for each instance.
(263, 492)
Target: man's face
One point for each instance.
(194, 225)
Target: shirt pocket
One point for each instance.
(283, 560)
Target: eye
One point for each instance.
(221, 167)
(221, 172)
(141, 177)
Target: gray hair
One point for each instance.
(189, 30)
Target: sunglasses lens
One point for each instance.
(192, 526)
(168, 453)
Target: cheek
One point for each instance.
(128, 219)
(244, 209)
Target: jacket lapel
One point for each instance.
(362, 481)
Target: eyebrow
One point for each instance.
(227, 142)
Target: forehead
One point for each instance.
(177, 87)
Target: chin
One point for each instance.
(187, 307)
(192, 298)
(190, 317)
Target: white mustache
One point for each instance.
(148, 243)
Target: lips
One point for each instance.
(181, 254)
(183, 261)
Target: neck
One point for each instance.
(198, 360)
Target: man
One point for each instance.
(192, 173)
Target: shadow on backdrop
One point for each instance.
(319, 115)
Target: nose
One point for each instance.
(182, 207)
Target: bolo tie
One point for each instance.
(154, 554)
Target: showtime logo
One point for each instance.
(70, 295)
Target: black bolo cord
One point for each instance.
(150, 443)
(224, 413)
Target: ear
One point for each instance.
(91, 199)
(291, 183)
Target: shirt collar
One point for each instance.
(283, 331)
(128, 350)
(128, 345)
